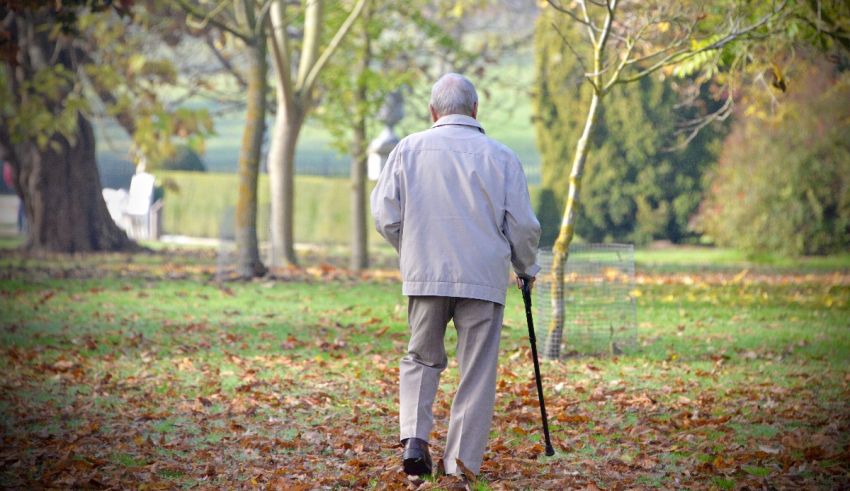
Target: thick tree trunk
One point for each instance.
(248, 255)
(58, 181)
(561, 249)
(61, 191)
(282, 182)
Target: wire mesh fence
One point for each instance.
(226, 260)
(599, 304)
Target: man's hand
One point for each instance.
(530, 282)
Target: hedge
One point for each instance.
(202, 206)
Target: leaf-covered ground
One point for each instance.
(142, 372)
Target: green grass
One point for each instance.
(695, 257)
(157, 373)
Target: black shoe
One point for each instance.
(416, 457)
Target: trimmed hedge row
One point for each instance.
(202, 206)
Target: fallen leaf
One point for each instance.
(470, 476)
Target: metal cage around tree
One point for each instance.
(599, 302)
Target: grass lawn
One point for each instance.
(140, 371)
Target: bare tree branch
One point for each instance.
(677, 41)
(687, 53)
(613, 80)
(673, 45)
(576, 53)
(599, 49)
(225, 62)
(317, 67)
(262, 16)
(694, 126)
(774, 102)
(590, 26)
(279, 40)
(571, 14)
(210, 19)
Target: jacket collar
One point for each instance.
(460, 120)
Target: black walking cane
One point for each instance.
(526, 297)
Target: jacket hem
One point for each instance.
(457, 290)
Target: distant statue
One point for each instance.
(391, 112)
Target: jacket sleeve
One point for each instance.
(521, 226)
(386, 202)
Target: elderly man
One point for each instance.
(454, 203)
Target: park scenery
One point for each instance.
(193, 295)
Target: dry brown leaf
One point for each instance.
(468, 474)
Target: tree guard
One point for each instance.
(599, 308)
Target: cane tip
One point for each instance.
(550, 451)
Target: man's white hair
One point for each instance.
(453, 94)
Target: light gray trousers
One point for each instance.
(479, 325)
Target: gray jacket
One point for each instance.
(454, 203)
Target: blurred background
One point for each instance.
(728, 125)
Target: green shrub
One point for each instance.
(202, 205)
(184, 159)
(782, 184)
(636, 187)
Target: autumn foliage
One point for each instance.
(142, 372)
(782, 183)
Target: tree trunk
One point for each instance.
(248, 254)
(58, 181)
(61, 193)
(282, 182)
(294, 102)
(292, 109)
(561, 249)
(359, 236)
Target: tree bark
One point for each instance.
(61, 193)
(294, 102)
(561, 249)
(281, 166)
(359, 237)
(292, 105)
(57, 181)
(249, 264)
